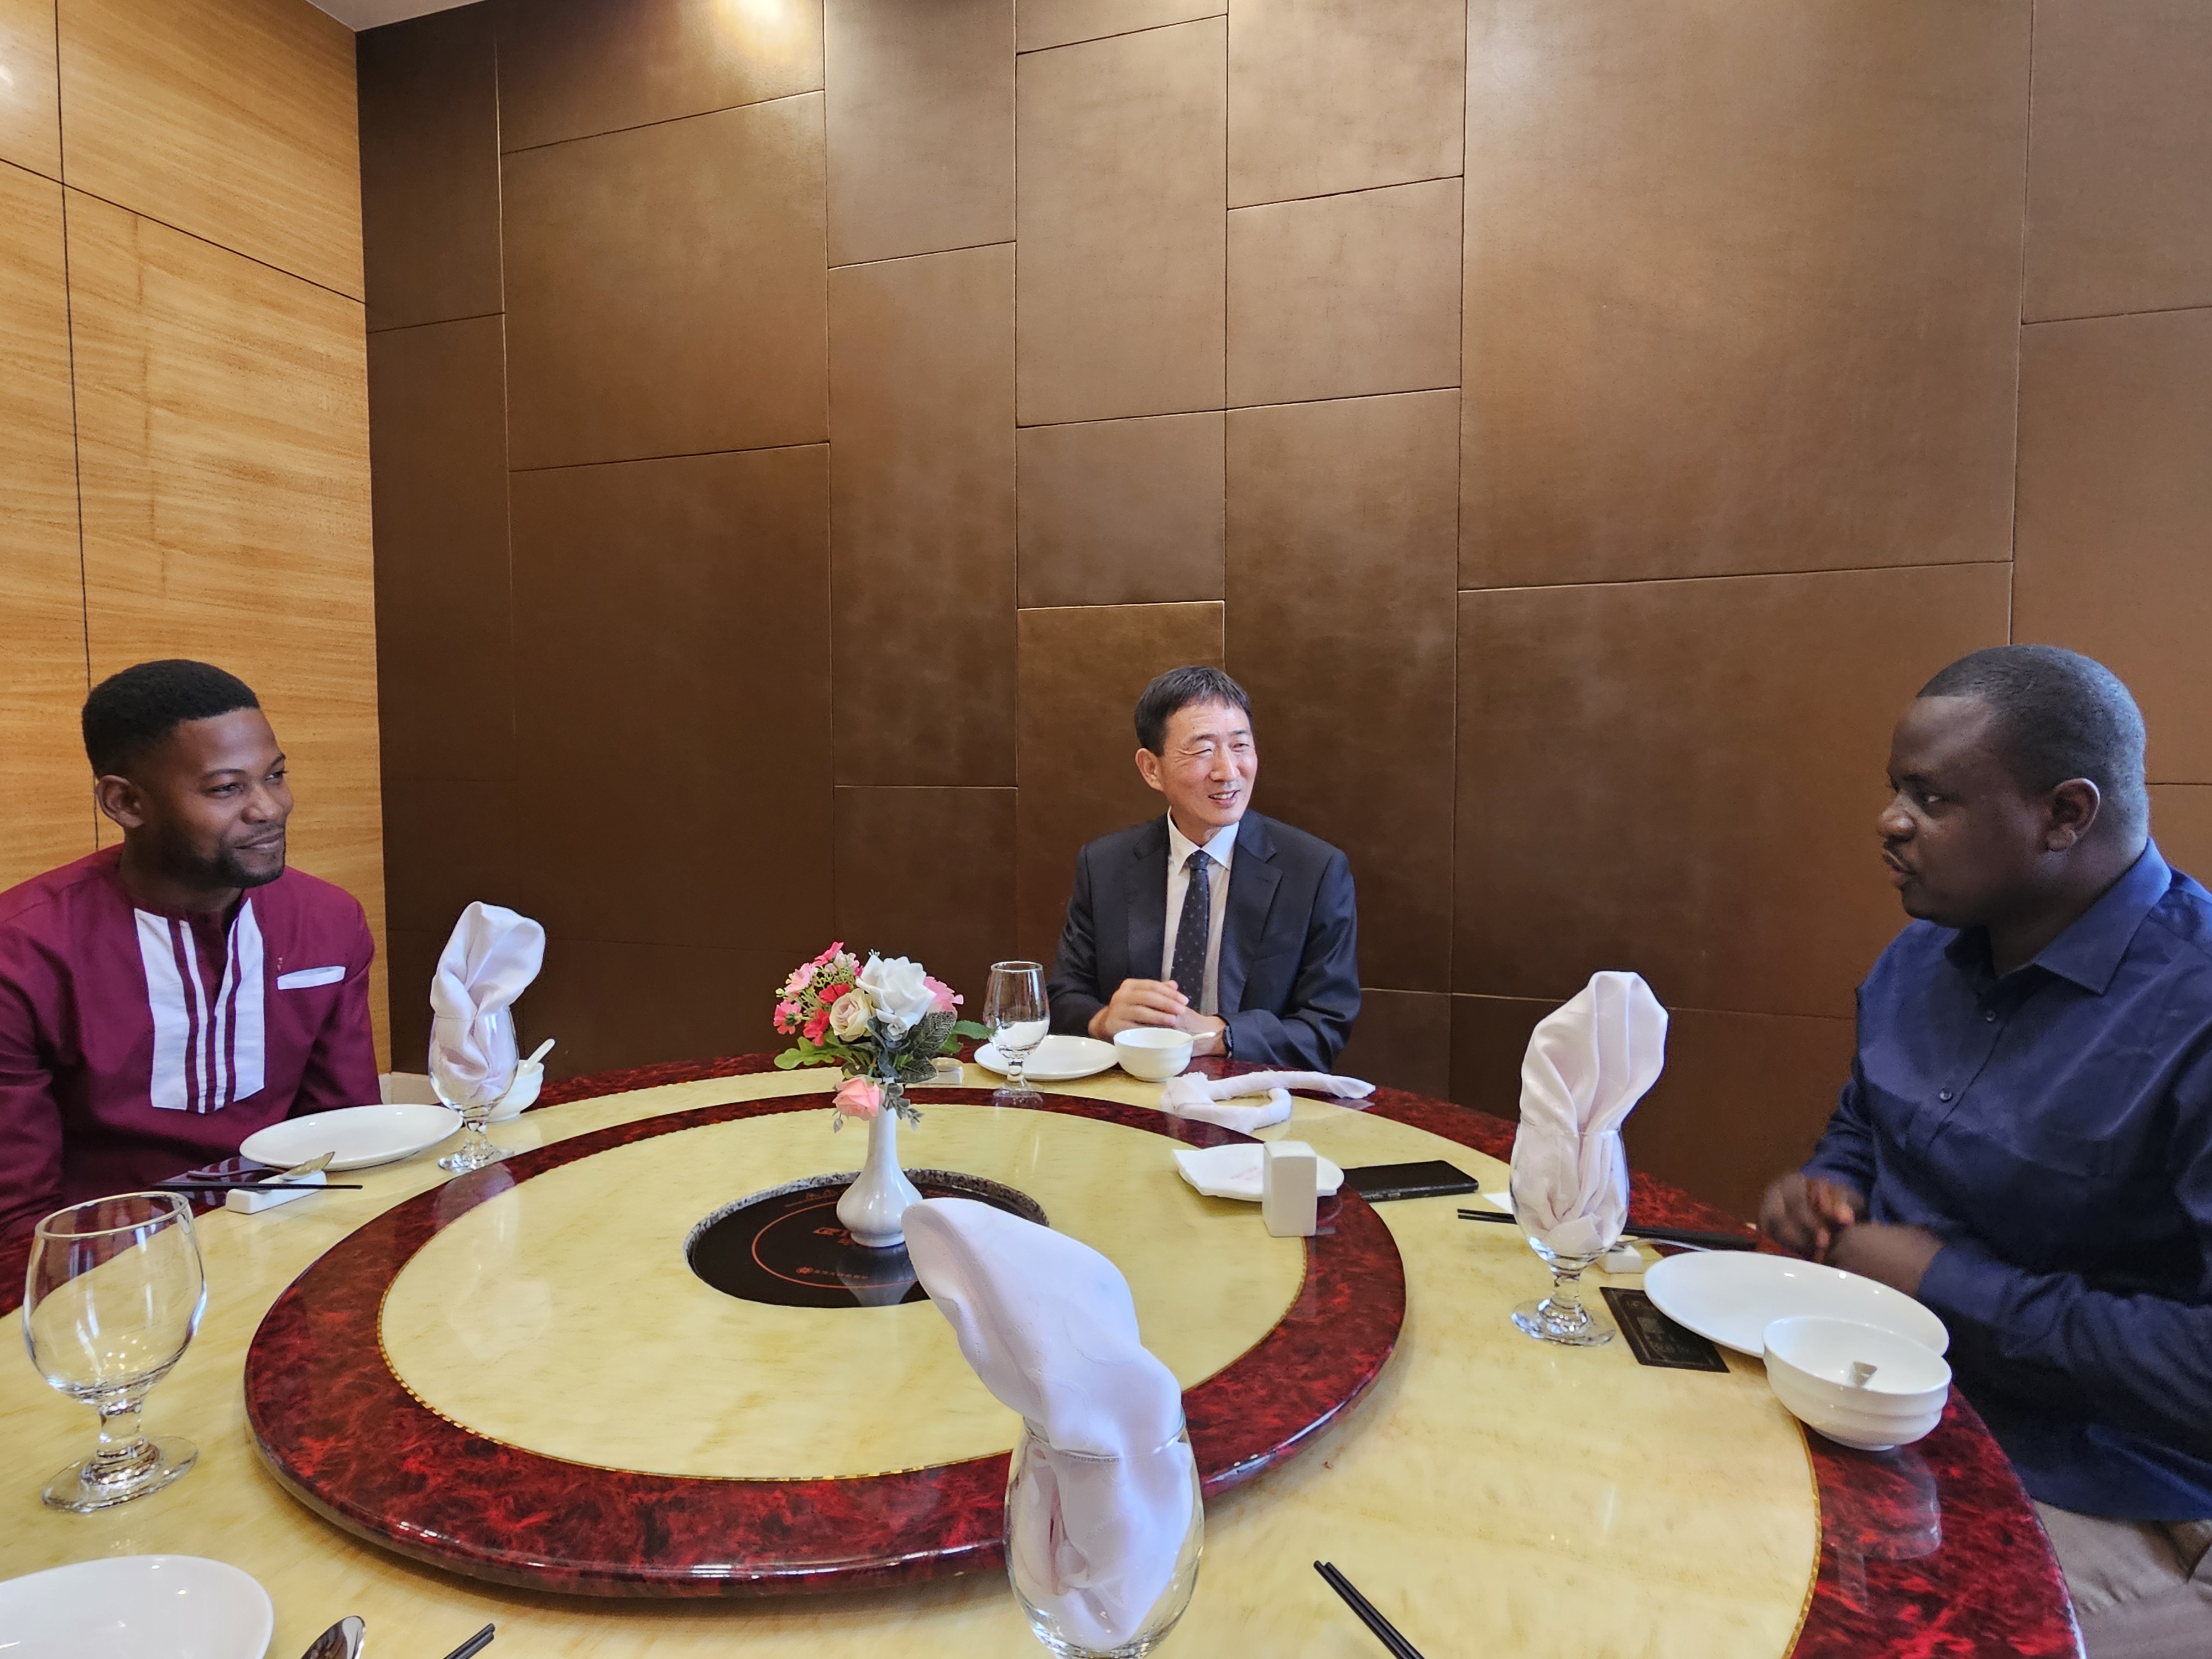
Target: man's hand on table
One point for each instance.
(1806, 1214)
(1157, 1002)
(1898, 1256)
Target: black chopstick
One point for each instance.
(475, 1645)
(1385, 1631)
(1652, 1235)
(255, 1186)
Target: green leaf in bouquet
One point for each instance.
(929, 1034)
(915, 1068)
(964, 1028)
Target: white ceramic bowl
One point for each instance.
(1808, 1366)
(1154, 1053)
(127, 1607)
(521, 1094)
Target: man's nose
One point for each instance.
(1894, 822)
(263, 806)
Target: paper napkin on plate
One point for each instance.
(490, 960)
(1588, 1062)
(1050, 1328)
(1205, 1098)
(1236, 1171)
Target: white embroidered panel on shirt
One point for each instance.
(209, 1049)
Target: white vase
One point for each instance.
(873, 1205)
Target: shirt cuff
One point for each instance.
(1966, 1282)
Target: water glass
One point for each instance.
(1016, 1011)
(1561, 1316)
(476, 1149)
(113, 1295)
(1132, 1612)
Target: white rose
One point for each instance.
(848, 1016)
(900, 991)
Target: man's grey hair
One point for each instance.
(1179, 688)
(2059, 715)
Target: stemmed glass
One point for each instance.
(476, 1149)
(1561, 1317)
(113, 1295)
(1016, 1011)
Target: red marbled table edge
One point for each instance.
(319, 1396)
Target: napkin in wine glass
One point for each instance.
(491, 958)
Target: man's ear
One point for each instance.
(2069, 814)
(1148, 769)
(119, 801)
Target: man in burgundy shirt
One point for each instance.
(162, 1000)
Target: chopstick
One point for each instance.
(475, 1645)
(254, 1185)
(1690, 1236)
(1385, 1631)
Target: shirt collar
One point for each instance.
(1181, 846)
(2090, 950)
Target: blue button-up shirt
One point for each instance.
(2054, 1128)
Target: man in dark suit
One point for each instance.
(1212, 919)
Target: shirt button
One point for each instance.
(1942, 1094)
(1990, 1015)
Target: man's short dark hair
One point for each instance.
(1179, 688)
(129, 712)
(2059, 715)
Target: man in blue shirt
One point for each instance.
(2026, 1142)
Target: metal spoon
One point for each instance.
(343, 1640)
(307, 1169)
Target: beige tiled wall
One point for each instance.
(1579, 523)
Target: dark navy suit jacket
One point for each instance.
(1288, 970)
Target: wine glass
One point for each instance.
(1130, 1614)
(1016, 1011)
(112, 1296)
(459, 1093)
(1561, 1317)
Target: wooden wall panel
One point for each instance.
(30, 115)
(43, 777)
(233, 119)
(223, 450)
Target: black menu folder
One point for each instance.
(1432, 1179)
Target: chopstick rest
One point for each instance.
(248, 1200)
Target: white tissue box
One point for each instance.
(1290, 1188)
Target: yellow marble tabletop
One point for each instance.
(1491, 1494)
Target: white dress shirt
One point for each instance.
(1220, 849)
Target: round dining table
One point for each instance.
(437, 1402)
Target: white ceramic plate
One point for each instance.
(180, 1607)
(1056, 1059)
(1233, 1171)
(360, 1135)
(1731, 1297)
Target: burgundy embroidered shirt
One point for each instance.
(137, 1043)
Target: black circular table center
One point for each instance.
(786, 1246)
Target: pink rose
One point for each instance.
(860, 1097)
(945, 996)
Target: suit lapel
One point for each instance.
(1253, 879)
(1148, 902)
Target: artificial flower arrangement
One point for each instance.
(885, 1024)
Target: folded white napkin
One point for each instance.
(1200, 1097)
(1049, 1327)
(489, 961)
(1588, 1062)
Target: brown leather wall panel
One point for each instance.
(571, 68)
(1345, 296)
(1339, 623)
(232, 119)
(2115, 538)
(1121, 512)
(1401, 1040)
(1081, 671)
(2181, 822)
(1489, 1035)
(665, 289)
(697, 591)
(616, 1004)
(1041, 23)
(1682, 777)
(928, 873)
(1120, 151)
(30, 114)
(44, 779)
(2120, 164)
(922, 519)
(430, 168)
(448, 844)
(1742, 287)
(1328, 95)
(920, 117)
(438, 474)
(409, 960)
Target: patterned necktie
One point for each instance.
(1190, 932)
